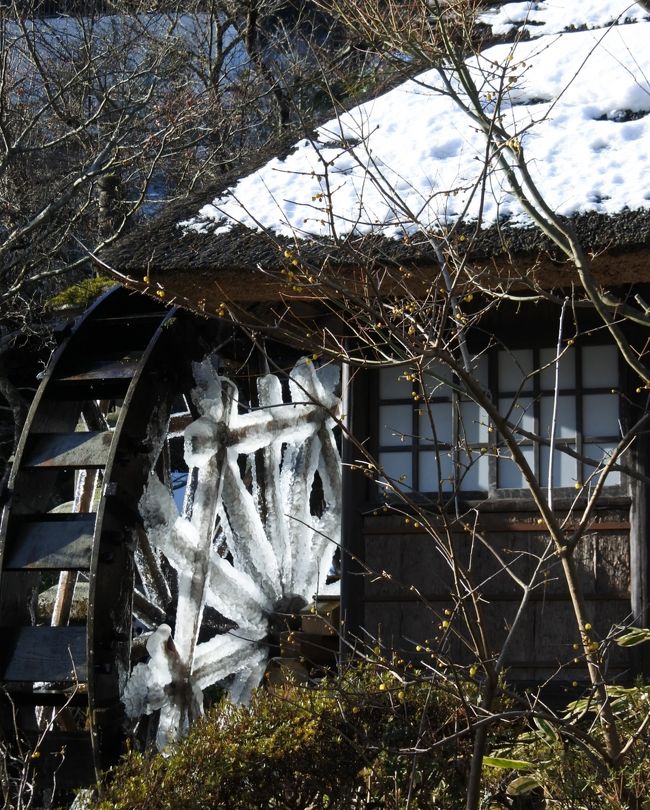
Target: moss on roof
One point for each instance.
(80, 294)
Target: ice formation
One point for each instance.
(276, 548)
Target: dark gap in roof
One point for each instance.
(622, 116)
(342, 143)
(526, 102)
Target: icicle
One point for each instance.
(329, 377)
(298, 486)
(162, 684)
(193, 582)
(150, 591)
(269, 391)
(329, 468)
(234, 594)
(201, 441)
(207, 395)
(306, 386)
(170, 723)
(326, 539)
(327, 534)
(160, 520)
(224, 655)
(287, 552)
(248, 678)
(287, 423)
(250, 549)
(145, 689)
(275, 523)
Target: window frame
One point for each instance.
(538, 393)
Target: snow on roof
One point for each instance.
(412, 159)
(557, 16)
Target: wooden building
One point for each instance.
(397, 586)
(481, 356)
(280, 253)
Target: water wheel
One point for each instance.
(92, 497)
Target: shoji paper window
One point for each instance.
(443, 442)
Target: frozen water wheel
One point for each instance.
(72, 515)
(252, 536)
(252, 543)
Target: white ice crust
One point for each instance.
(287, 552)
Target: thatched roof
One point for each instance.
(233, 242)
(244, 266)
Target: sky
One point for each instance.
(576, 102)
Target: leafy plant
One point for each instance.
(562, 762)
(80, 294)
(379, 735)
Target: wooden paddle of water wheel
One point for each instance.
(131, 355)
(92, 498)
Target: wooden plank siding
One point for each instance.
(408, 587)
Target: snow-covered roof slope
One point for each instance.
(557, 16)
(412, 159)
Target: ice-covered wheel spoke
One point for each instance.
(248, 542)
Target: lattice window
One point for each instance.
(443, 441)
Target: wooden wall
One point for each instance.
(408, 584)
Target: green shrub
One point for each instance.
(568, 769)
(81, 293)
(377, 737)
(365, 739)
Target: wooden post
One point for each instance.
(355, 410)
(639, 557)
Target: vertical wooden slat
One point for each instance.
(68, 579)
(639, 556)
(354, 495)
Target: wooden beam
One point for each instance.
(354, 495)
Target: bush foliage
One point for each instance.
(384, 735)
(366, 739)
(80, 294)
